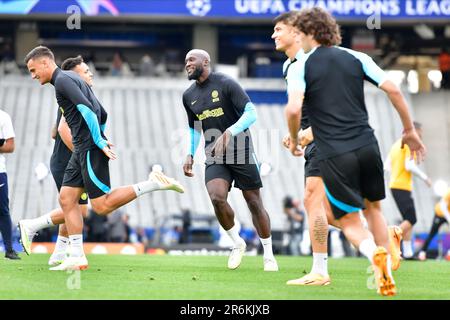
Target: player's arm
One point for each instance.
(7, 144)
(65, 134)
(410, 165)
(239, 98)
(374, 74)
(71, 91)
(443, 204)
(296, 86)
(194, 140)
(387, 163)
(54, 132)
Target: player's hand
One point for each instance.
(286, 141)
(187, 167)
(305, 137)
(295, 148)
(417, 148)
(221, 144)
(428, 182)
(109, 152)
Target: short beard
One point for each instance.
(196, 73)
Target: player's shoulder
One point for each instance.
(68, 76)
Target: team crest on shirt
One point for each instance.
(215, 96)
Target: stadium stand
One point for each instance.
(147, 124)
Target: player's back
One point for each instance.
(77, 101)
(334, 79)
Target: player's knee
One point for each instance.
(100, 208)
(255, 206)
(218, 201)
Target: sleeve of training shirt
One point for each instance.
(240, 99)
(372, 72)
(194, 133)
(72, 92)
(296, 76)
(410, 165)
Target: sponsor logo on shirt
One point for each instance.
(210, 113)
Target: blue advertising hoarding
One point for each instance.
(234, 9)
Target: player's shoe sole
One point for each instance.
(395, 238)
(72, 263)
(385, 282)
(24, 238)
(311, 279)
(165, 182)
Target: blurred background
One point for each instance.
(136, 49)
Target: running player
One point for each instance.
(88, 168)
(331, 81)
(401, 167)
(441, 216)
(287, 40)
(218, 106)
(62, 152)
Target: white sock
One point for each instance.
(39, 223)
(61, 245)
(145, 187)
(407, 249)
(320, 263)
(76, 245)
(234, 235)
(367, 248)
(267, 246)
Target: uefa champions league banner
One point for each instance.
(234, 9)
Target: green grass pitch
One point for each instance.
(206, 277)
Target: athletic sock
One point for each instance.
(407, 249)
(76, 245)
(61, 245)
(5, 229)
(320, 263)
(267, 246)
(367, 247)
(145, 187)
(39, 223)
(234, 235)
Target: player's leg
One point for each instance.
(62, 241)
(5, 219)
(315, 202)
(437, 223)
(218, 183)
(405, 204)
(319, 216)
(248, 180)
(261, 221)
(345, 178)
(97, 180)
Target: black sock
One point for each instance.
(5, 228)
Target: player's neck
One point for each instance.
(204, 76)
(292, 51)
